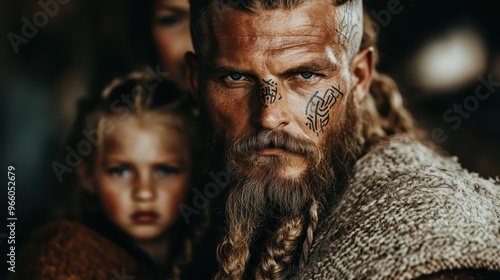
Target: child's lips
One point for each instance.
(144, 217)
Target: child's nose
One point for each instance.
(144, 190)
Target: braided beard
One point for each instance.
(258, 197)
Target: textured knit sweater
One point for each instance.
(66, 250)
(408, 212)
(95, 248)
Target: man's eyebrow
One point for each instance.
(314, 66)
(226, 69)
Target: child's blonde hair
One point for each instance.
(139, 94)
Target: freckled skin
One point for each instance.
(261, 47)
(143, 147)
(172, 37)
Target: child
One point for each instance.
(138, 171)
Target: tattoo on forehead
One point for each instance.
(318, 109)
(268, 93)
(348, 31)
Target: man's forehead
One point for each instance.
(307, 22)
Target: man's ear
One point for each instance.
(193, 70)
(85, 177)
(363, 66)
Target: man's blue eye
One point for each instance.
(306, 75)
(235, 76)
(168, 21)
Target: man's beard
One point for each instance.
(259, 198)
(259, 192)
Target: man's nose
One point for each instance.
(270, 107)
(144, 190)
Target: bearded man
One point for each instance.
(328, 179)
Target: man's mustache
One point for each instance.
(283, 140)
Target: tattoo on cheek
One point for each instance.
(318, 108)
(268, 93)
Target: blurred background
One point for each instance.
(445, 56)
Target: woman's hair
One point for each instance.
(140, 24)
(134, 96)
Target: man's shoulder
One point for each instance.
(405, 173)
(69, 250)
(407, 166)
(401, 152)
(409, 211)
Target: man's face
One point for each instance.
(279, 70)
(280, 92)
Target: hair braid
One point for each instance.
(233, 253)
(383, 113)
(313, 223)
(280, 250)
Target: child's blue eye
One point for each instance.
(168, 20)
(166, 170)
(120, 171)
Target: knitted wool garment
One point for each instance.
(408, 212)
(71, 251)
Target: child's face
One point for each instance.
(172, 37)
(142, 176)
